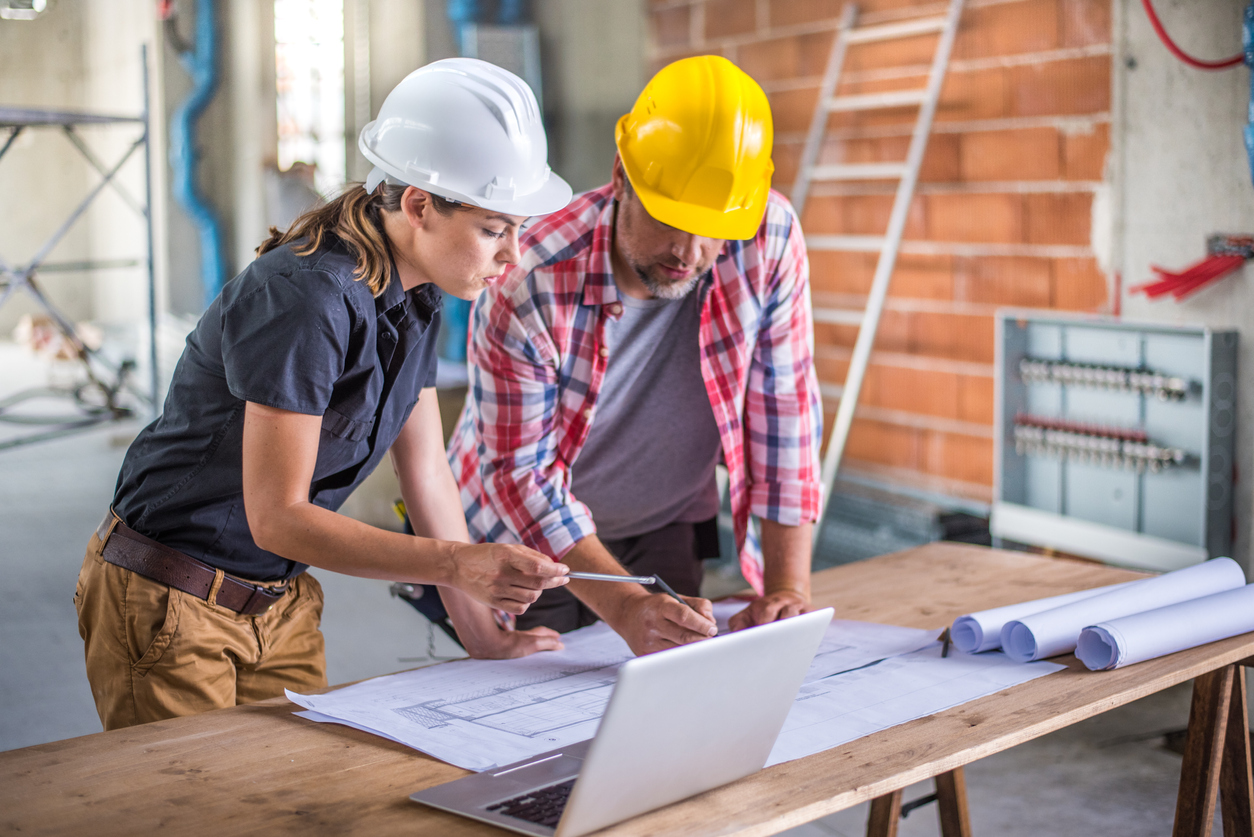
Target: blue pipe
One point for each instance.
(201, 64)
(1247, 48)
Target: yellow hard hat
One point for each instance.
(697, 148)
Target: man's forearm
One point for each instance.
(786, 557)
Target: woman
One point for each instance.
(313, 363)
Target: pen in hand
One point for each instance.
(636, 579)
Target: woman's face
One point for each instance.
(460, 253)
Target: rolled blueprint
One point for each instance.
(1154, 633)
(981, 631)
(1056, 631)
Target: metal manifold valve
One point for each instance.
(1122, 379)
(1093, 445)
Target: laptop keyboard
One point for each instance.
(542, 807)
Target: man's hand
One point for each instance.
(505, 576)
(506, 645)
(655, 621)
(780, 604)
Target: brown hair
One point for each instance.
(354, 216)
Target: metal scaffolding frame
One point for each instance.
(99, 399)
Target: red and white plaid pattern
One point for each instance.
(537, 366)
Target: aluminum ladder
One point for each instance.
(905, 172)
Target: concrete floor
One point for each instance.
(1107, 776)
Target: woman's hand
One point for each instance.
(505, 576)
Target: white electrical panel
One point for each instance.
(1114, 440)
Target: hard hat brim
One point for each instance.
(733, 225)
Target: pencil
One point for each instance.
(666, 588)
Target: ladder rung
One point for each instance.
(838, 316)
(859, 171)
(887, 31)
(846, 243)
(876, 101)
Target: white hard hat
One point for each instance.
(469, 131)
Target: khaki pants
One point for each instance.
(154, 652)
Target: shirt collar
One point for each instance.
(427, 295)
(598, 286)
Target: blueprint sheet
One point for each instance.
(478, 714)
(834, 711)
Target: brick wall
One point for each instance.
(1002, 216)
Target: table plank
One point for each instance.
(258, 768)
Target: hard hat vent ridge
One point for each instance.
(469, 131)
(697, 148)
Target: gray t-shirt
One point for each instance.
(650, 454)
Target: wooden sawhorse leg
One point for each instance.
(951, 802)
(1217, 758)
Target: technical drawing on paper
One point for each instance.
(535, 706)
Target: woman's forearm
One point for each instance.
(321, 538)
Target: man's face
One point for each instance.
(668, 261)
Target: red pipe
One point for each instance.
(1181, 54)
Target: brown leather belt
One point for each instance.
(126, 548)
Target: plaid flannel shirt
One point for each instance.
(537, 362)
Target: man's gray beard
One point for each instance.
(671, 291)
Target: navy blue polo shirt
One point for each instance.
(294, 332)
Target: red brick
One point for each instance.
(886, 444)
(673, 26)
(830, 370)
(914, 276)
(1085, 22)
(791, 12)
(1084, 154)
(897, 52)
(998, 280)
(1008, 29)
(1081, 85)
(980, 94)
(921, 277)
(858, 215)
(793, 110)
(879, 117)
(975, 217)
(724, 18)
(798, 56)
(1058, 218)
(955, 336)
(912, 390)
(1079, 285)
(842, 273)
(940, 160)
(975, 399)
(785, 156)
(958, 457)
(1024, 154)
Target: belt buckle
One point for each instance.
(261, 592)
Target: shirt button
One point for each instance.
(616, 309)
(587, 414)
(605, 351)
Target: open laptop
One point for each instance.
(678, 722)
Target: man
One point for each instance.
(654, 325)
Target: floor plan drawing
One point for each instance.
(533, 707)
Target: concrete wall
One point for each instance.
(593, 57)
(384, 41)
(1181, 172)
(76, 56)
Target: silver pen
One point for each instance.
(635, 579)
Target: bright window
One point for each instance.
(309, 63)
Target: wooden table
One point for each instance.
(258, 769)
